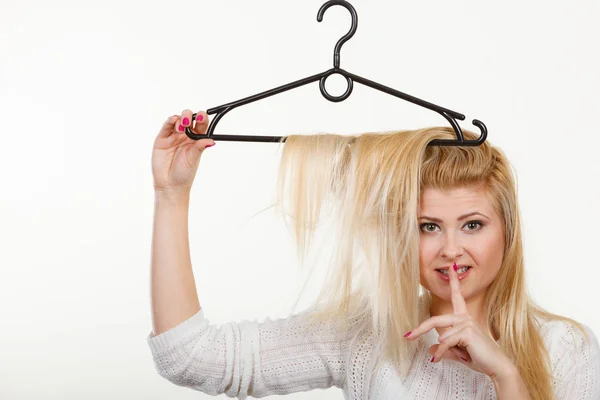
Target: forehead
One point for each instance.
(454, 201)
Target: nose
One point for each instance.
(451, 248)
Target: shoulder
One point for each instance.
(569, 347)
(575, 359)
(564, 336)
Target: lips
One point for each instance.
(458, 267)
(446, 276)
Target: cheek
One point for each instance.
(428, 251)
(488, 251)
(424, 253)
(428, 248)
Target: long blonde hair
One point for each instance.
(373, 183)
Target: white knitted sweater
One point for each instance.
(282, 356)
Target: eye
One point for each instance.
(474, 223)
(427, 224)
(470, 224)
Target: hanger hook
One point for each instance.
(347, 36)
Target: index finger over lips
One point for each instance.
(458, 301)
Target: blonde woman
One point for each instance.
(426, 296)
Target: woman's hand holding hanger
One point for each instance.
(175, 156)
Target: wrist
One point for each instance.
(509, 384)
(171, 199)
(506, 373)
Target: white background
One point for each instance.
(85, 87)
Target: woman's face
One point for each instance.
(446, 237)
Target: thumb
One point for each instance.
(195, 150)
(459, 354)
(453, 353)
(203, 143)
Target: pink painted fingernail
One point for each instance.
(186, 121)
(199, 117)
(181, 128)
(432, 358)
(455, 267)
(408, 333)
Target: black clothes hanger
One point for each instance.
(450, 115)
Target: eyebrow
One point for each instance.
(458, 219)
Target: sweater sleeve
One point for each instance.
(249, 358)
(576, 363)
